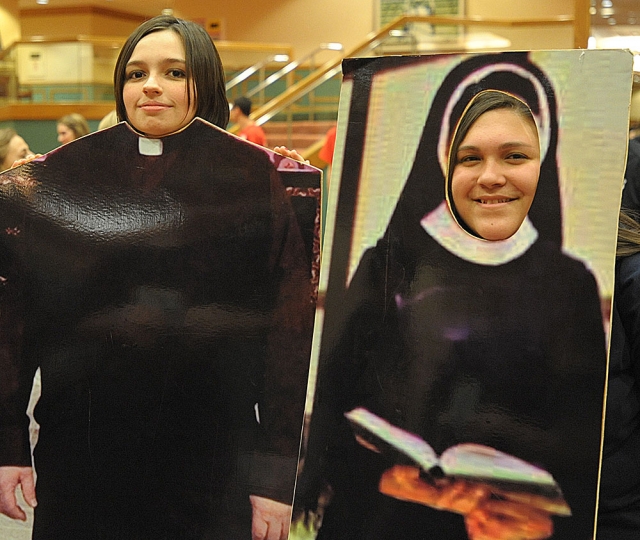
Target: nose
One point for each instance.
(491, 174)
(151, 85)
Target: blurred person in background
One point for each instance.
(12, 148)
(71, 127)
(110, 119)
(249, 130)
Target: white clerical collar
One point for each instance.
(441, 225)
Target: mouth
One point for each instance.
(494, 201)
(153, 106)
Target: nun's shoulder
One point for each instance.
(547, 257)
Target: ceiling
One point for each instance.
(608, 17)
(139, 7)
(622, 17)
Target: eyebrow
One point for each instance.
(503, 146)
(165, 61)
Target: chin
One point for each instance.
(494, 234)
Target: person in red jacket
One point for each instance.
(249, 130)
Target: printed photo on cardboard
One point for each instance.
(460, 349)
(163, 292)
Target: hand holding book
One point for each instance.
(500, 496)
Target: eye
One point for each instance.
(177, 73)
(517, 156)
(468, 159)
(135, 74)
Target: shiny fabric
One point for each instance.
(166, 300)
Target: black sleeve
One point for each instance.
(578, 353)
(15, 377)
(286, 369)
(349, 331)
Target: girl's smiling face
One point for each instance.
(155, 91)
(496, 173)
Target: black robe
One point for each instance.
(166, 300)
(511, 356)
(508, 353)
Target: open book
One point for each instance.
(480, 471)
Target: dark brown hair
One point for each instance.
(205, 74)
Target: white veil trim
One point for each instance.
(445, 230)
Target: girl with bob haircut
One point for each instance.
(204, 71)
(174, 368)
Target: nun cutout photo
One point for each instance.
(468, 275)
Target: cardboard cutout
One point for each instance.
(460, 380)
(163, 287)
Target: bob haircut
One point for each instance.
(205, 75)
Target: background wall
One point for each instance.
(302, 23)
(305, 23)
(9, 22)
(555, 37)
(71, 21)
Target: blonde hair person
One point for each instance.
(71, 127)
(628, 234)
(12, 148)
(110, 119)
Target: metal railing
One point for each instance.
(291, 66)
(332, 67)
(258, 67)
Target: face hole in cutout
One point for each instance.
(493, 166)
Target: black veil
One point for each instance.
(513, 73)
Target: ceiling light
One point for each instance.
(332, 46)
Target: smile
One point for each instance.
(493, 201)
